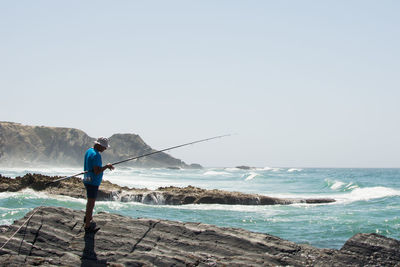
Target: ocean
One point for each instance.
(368, 200)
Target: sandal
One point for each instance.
(92, 228)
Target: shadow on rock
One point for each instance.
(89, 256)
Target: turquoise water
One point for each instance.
(368, 200)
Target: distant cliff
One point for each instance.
(22, 145)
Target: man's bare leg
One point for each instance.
(89, 211)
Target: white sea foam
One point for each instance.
(294, 170)
(232, 169)
(117, 205)
(270, 169)
(113, 205)
(297, 196)
(337, 184)
(211, 173)
(351, 186)
(32, 194)
(26, 193)
(251, 176)
(238, 208)
(357, 194)
(368, 193)
(341, 186)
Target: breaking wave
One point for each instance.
(337, 185)
(368, 193)
(353, 192)
(251, 176)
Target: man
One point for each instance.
(93, 177)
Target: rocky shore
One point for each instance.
(55, 237)
(73, 187)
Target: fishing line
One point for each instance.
(115, 163)
(146, 155)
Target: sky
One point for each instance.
(296, 83)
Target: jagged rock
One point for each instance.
(22, 145)
(164, 195)
(55, 236)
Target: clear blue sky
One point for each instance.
(300, 83)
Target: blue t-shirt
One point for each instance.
(92, 158)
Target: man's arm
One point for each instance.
(97, 170)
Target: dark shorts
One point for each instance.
(91, 190)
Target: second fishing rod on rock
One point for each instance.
(145, 155)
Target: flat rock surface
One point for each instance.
(55, 236)
(164, 195)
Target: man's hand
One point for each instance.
(97, 170)
(110, 166)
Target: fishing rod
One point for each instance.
(170, 148)
(144, 155)
(115, 163)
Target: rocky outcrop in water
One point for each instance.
(55, 237)
(164, 195)
(22, 145)
(244, 167)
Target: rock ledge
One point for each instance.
(54, 236)
(164, 195)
